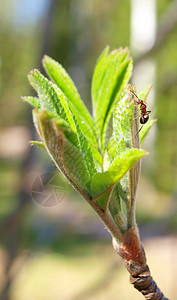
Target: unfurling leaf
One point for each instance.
(65, 155)
(145, 129)
(111, 74)
(101, 182)
(102, 162)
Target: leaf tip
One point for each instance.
(31, 74)
(36, 143)
(45, 59)
(23, 98)
(144, 152)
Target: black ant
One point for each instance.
(144, 117)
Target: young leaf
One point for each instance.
(145, 129)
(123, 77)
(116, 209)
(101, 182)
(84, 146)
(53, 100)
(125, 129)
(48, 97)
(61, 78)
(123, 123)
(98, 76)
(115, 71)
(103, 199)
(111, 200)
(67, 158)
(34, 101)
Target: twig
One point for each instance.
(134, 258)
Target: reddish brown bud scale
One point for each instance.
(133, 254)
(131, 247)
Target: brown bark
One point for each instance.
(134, 258)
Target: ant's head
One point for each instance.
(139, 101)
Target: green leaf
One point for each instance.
(112, 72)
(125, 125)
(116, 209)
(98, 76)
(61, 78)
(111, 200)
(115, 205)
(126, 136)
(123, 130)
(103, 200)
(53, 100)
(101, 182)
(48, 97)
(126, 122)
(34, 101)
(69, 159)
(123, 122)
(84, 146)
(102, 162)
(145, 129)
(123, 77)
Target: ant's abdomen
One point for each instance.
(144, 119)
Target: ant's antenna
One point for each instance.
(134, 93)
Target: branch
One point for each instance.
(134, 258)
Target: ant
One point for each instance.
(144, 117)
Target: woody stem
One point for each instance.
(134, 258)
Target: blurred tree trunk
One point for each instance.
(12, 227)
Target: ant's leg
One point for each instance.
(139, 130)
(148, 112)
(137, 117)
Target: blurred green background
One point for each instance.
(59, 249)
